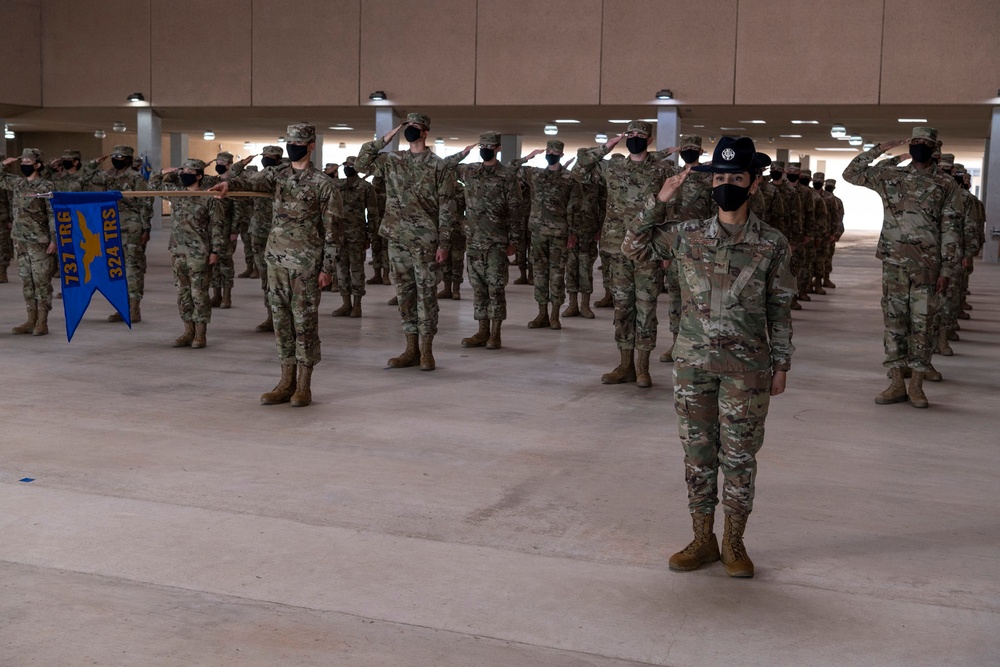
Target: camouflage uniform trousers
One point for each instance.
(489, 271)
(580, 267)
(248, 252)
(6, 245)
(548, 265)
(635, 286)
(720, 419)
(908, 310)
(453, 269)
(380, 253)
(192, 274)
(949, 306)
(673, 285)
(36, 269)
(224, 269)
(805, 274)
(824, 255)
(259, 245)
(416, 276)
(135, 260)
(351, 268)
(293, 296)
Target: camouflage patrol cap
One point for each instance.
(122, 150)
(819, 176)
(225, 157)
(272, 151)
(795, 165)
(554, 145)
(300, 133)
(33, 154)
(778, 165)
(689, 141)
(830, 181)
(194, 163)
(947, 160)
(640, 126)
(350, 159)
(331, 164)
(805, 174)
(71, 155)
(960, 168)
(489, 138)
(922, 132)
(419, 119)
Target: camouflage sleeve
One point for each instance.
(891, 161)
(369, 157)
(861, 172)
(139, 184)
(9, 181)
(602, 202)
(972, 226)
(574, 210)
(92, 174)
(779, 213)
(156, 180)
(781, 288)
(447, 215)
(651, 236)
(589, 161)
(262, 181)
(217, 220)
(371, 209)
(517, 163)
(452, 161)
(333, 225)
(515, 212)
(951, 233)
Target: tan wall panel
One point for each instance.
(539, 52)
(642, 53)
(201, 53)
(940, 53)
(419, 53)
(326, 73)
(78, 67)
(21, 66)
(808, 52)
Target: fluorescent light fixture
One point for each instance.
(856, 140)
(8, 133)
(601, 138)
(341, 145)
(99, 134)
(439, 141)
(805, 122)
(838, 131)
(118, 126)
(664, 94)
(868, 146)
(566, 120)
(247, 146)
(377, 96)
(341, 127)
(452, 138)
(551, 129)
(753, 122)
(849, 150)
(912, 120)
(846, 137)
(281, 140)
(209, 135)
(790, 136)
(697, 126)
(619, 121)
(733, 129)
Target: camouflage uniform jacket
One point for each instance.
(493, 205)
(736, 290)
(359, 198)
(6, 205)
(32, 220)
(555, 200)
(593, 207)
(195, 222)
(972, 223)
(810, 226)
(694, 201)
(420, 191)
(835, 219)
(921, 226)
(629, 184)
(793, 212)
(66, 182)
(134, 213)
(769, 206)
(308, 221)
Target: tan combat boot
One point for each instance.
(817, 287)
(255, 273)
(456, 292)
(944, 347)
(795, 305)
(3, 274)
(303, 388)
(642, 379)
(394, 301)
(385, 277)
(41, 322)
(344, 309)
(184, 340)
(356, 308)
(376, 279)
(572, 310)
(28, 326)
(266, 325)
(282, 392)
(962, 315)
(427, 353)
(542, 319)
(585, 306)
(494, 343)
(227, 297)
(734, 554)
(134, 312)
(445, 292)
(554, 322)
(409, 357)
(199, 341)
(479, 338)
(668, 356)
(933, 374)
(827, 282)
(115, 317)
(522, 279)
(606, 301)
(704, 548)
(624, 372)
(247, 273)
(216, 299)
(896, 392)
(915, 391)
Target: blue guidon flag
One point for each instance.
(91, 253)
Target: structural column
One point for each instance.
(178, 148)
(317, 156)
(150, 140)
(991, 191)
(385, 120)
(510, 147)
(667, 126)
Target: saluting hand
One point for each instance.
(888, 146)
(388, 137)
(672, 185)
(222, 187)
(613, 141)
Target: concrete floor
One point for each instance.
(506, 509)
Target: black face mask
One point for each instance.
(221, 168)
(921, 152)
(296, 152)
(187, 180)
(487, 154)
(691, 155)
(775, 175)
(269, 161)
(412, 133)
(552, 159)
(792, 178)
(829, 188)
(121, 163)
(27, 169)
(959, 179)
(636, 145)
(730, 197)
(966, 186)
(818, 185)
(68, 164)
(331, 174)
(350, 171)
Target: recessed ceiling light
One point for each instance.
(439, 141)
(551, 129)
(805, 122)
(790, 136)
(912, 120)
(849, 150)
(618, 121)
(341, 127)
(209, 135)
(868, 146)
(838, 131)
(452, 138)
(649, 120)
(753, 122)
(733, 129)
(697, 126)
(566, 120)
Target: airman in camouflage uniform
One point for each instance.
(836, 208)
(493, 220)
(380, 247)
(454, 265)
(418, 222)
(918, 247)
(6, 242)
(580, 259)
(951, 305)
(195, 238)
(68, 175)
(734, 347)
(260, 229)
(34, 235)
(135, 216)
(793, 215)
(975, 234)
(553, 223)
(237, 216)
(307, 226)
(817, 233)
(361, 216)
(635, 284)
